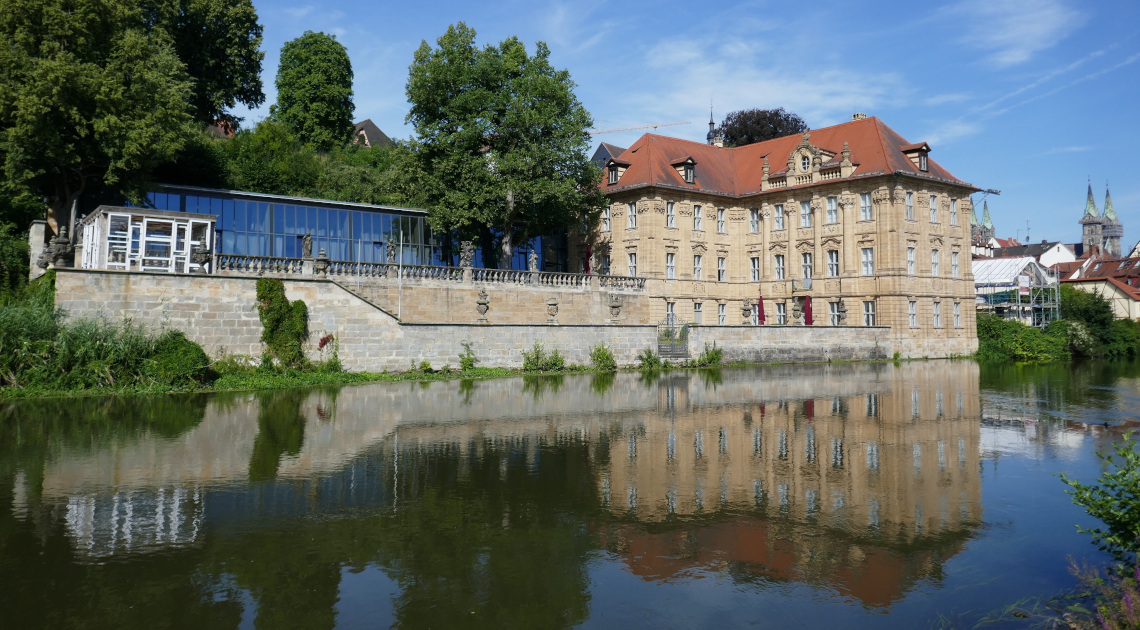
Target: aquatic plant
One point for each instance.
(539, 360)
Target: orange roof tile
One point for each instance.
(736, 172)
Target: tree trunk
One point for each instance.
(506, 245)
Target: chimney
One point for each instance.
(858, 116)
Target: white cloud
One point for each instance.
(946, 99)
(1072, 149)
(738, 74)
(952, 130)
(1015, 30)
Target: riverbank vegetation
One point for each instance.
(1086, 329)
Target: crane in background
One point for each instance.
(595, 132)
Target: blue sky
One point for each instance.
(1031, 97)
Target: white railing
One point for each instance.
(778, 183)
(803, 179)
(831, 174)
(257, 264)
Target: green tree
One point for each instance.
(90, 95)
(1114, 500)
(219, 42)
(750, 126)
(501, 142)
(314, 90)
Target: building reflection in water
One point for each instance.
(864, 478)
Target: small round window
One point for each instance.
(805, 163)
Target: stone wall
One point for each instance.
(794, 344)
(220, 312)
(434, 301)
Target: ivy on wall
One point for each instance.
(285, 325)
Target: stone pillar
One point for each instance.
(36, 241)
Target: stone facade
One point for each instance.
(865, 236)
(220, 313)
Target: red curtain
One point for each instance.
(760, 309)
(807, 310)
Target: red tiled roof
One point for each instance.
(875, 149)
(1133, 292)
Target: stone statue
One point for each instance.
(307, 245)
(390, 254)
(482, 304)
(466, 253)
(532, 261)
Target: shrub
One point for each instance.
(1114, 500)
(14, 258)
(425, 368)
(1004, 340)
(284, 324)
(648, 360)
(712, 355)
(467, 358)
(538, 360)
(178, 362)
(603, 358)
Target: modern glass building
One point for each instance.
(256, 224)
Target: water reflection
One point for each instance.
(493, 502)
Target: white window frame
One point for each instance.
(957, 314)
(833, 263)
(754, 220)
(698, 313)
(721, 314)
(721, 269)
(934, 208)
(953, 212)
(781, 313)
(912, 313)
(697, 220)
(935, 267)
(833, 210)
(632, 221)
(937, 314)
(868, 259)
(778, 266)
(806, 265)
(671, 313)
(613, 174)
(778, 217)
(805, 214)
(755, 263)
(910, 206)
(632, 258)
(698, 271)
(670, 215)
(720, 221)
(670, 266)
(910, 261)
(866, 212)
(606, 219)
(869, 313)
(833, 313)
(954, 269)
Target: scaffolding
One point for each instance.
(1018, 289)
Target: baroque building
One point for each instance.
(849, 225)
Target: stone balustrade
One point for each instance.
(258, 265)
(231, 264)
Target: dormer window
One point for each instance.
(613, 173)
(805, 163)
(916, 153)
(686, 168)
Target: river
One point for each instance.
(850, 495)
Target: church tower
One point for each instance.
(1092, 227)
(1112, 231)
(981, 233)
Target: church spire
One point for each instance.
(986, 221)
(712, 126)
(973, 215)
(1090, 205)
(1109, 211)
